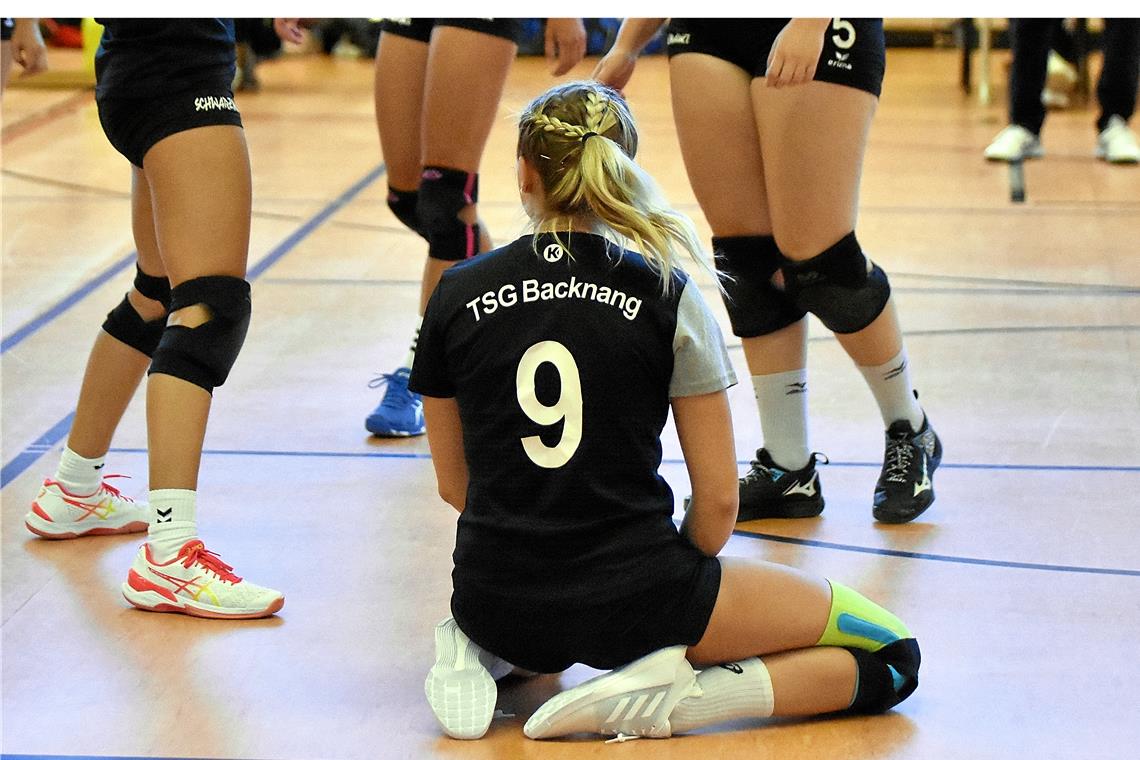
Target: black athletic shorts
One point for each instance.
(549, 638)
(6, 27)
(134, 125)
(854, 49)
(420, 28)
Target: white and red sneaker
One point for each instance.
(196, 582)
(58, 513)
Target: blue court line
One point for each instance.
(834, 463)
(58, 432)
(66, 303)
(935, 557)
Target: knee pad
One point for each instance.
(154, 288)
(841, 286)
(403, 204)
(126, 325)
(204, 355)
(443, 194)
(856, 621)
(755, 306)
(886, 677)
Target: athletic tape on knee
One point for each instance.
(204, 355)
(886, 677)
(856, 621)
(755, 306)
(403, 204)
(125, 325)
(443, 194)
(841, 286)
(154, 288)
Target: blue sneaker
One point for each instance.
(401, 412)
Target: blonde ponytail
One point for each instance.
(581, 138)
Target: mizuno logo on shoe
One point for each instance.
(805, 489)
(924, 484)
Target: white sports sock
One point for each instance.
(728, 692)
(411, 357)
(890, 385)
(79, 475)
(173, 521)
(782, 400)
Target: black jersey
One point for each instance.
(562, 364)
(139, 58)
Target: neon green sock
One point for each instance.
(856, 621)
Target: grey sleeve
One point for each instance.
(700, 359)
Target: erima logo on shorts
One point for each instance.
(210, 103)
(677, 39)
(840, 61)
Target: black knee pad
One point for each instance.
(403, 204)
(125, 325)
(885, 677)
(841, 286)
(755, 306)
(443, 194)
(154, 288)
(204, 355)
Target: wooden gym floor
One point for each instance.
(1023, 324)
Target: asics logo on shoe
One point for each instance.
(101, 509)
(733, 667)
(803, 489)
(164, 515)
(924, 484)
(191, 588)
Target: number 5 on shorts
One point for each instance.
(568, 407)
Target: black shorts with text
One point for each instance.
(853, 55)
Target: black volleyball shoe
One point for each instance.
(905, 489)
(769, 490)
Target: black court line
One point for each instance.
(58, 432)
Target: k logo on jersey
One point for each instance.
(553, 252)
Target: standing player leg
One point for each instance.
(77, 501)
(466, 71)
(778, 642)
(200, 194)
(711, 99)
(812, 174)
(401, 70)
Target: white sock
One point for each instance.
(411, 357)
(173, 521)
(79, 475)
(890, 385)
(782, 400)
(728, 692)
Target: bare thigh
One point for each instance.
(813, 137)
(146, 244)
(201, 198)
(401, 70)
(762, 608)
(466, 73)
(712, 106)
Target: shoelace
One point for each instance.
(758, 470)
(397, 395)
(115, 491)
(199, 554)
(622, 738)
(900, 454)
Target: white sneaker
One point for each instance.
(1014, 143)
(460, 686)
(196, 582)
(634, 700)
(58, 513)
(1117, 143)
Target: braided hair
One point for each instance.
(581, 139)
